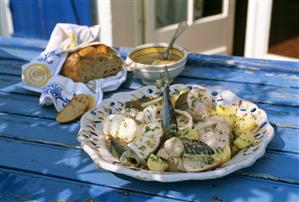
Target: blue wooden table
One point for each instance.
(42, 160)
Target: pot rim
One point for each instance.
(145, 67)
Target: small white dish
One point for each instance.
(92, 138)
(141, 61)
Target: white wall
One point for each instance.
(121, 22)
(6, 26)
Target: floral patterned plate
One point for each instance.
(92, 139)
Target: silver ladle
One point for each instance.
(180, 29)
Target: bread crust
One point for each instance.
(76, 108)
(91, 62)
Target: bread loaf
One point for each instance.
(76, 108)
(91, 62)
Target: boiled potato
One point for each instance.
(244, 125)
(223, 154)
(226, 109)
(244, 140)
(188, 133)
(228, 112)
(234, 150)
(231, 120)
(156, 163)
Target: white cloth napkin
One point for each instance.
(42, 73)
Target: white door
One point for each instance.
(212, 23)
(258, 29)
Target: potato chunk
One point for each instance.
(245, 125)
(155, 163)
(244, 140)
(228, 112)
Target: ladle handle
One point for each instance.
(180, 29)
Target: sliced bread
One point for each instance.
(76, 108)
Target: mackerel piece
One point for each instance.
(196, 147)
(124, 153)
(168, 114)
(198, 156)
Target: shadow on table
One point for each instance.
(70, 174)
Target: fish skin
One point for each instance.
(124, 153)
(196, 147)
(168, 114)
(197, 156)
(119, 146)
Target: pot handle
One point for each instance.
(130, 65)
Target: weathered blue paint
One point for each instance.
(20, 54)
(37, 19)
(285, 139)
(20, 186)
(74, 164)
(44, 151)
(50, 132)
(38, 129)
(25, 106)
(262, 93)
(284, 116)
(6, 80)
(23, 42)
(281, 115)
(233, 74)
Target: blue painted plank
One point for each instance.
(76, 165)
(200, 59)
(276, 113)
(223, 61)
(235, 61)
(20, 186)
(281, 165)
(18, 89)
(42, 188)
(16, 53)
(25, 105)
(12, 95)
(283, 116)
(11, 62)
(41, 130)
(285, 139)
(192, 70)
(270, 164)
(21, 42)
(7, 80)
(233, 74)
(197, 67)
(11, 67)
(217, 71)
(245, 63)
(50, 132)
(262, 93)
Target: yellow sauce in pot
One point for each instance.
(154, 56)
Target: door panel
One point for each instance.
(211, 30)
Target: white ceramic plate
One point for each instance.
(92, 138)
